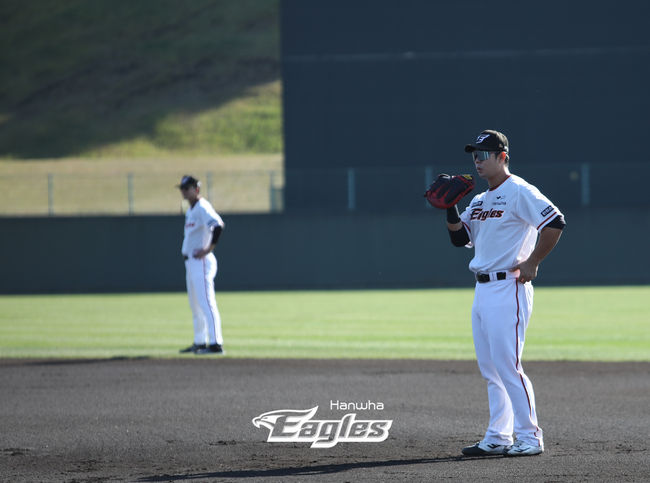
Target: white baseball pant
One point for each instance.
(500, 316)
(199, 278)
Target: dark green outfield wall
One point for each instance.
(122, 254)
(406, 84)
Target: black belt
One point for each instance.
(485, 277)
(185, 257)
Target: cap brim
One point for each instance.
(471, 148)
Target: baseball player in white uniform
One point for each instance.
(202, 229)
(512, 227)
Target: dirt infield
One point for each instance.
(191, 420)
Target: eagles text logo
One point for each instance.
(296, 425)
(479, 214)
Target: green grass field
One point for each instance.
(603, 323)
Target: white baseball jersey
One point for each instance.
(200, 221)
(503, 224)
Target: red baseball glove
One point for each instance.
(447, 190)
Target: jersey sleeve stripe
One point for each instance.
(467, 227)
(551, 216)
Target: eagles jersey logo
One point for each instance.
(480, 215)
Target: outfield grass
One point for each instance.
(604, 323)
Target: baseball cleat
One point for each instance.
(211, 349)
(485, 449)
(192, 348)
(521, 448)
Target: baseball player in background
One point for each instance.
(202, 229)
(512, 227)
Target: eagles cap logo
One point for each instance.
(489, 140)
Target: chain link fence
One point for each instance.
(137, 194)
(568, 185)
(365, 190)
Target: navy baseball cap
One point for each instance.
(489, 140)
(187, 181)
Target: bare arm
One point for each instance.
(548, 238)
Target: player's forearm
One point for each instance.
(457, 232)
(548, 238)
(453, 219)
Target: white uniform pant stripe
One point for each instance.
(200, 289)
(500, 309)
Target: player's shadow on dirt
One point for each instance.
(66, 362)
(303, 470)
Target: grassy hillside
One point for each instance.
(153, 77)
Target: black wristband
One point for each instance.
(453, 216)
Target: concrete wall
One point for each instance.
(122, 254)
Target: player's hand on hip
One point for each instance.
(527, 271)
(200, 253)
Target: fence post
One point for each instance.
(428, 179)
(129, 187)
(50, 194)
(208, 187)
(352, 196)
(585, 169)
(272, 202)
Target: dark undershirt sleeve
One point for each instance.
(216, 233)
(557, 222)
